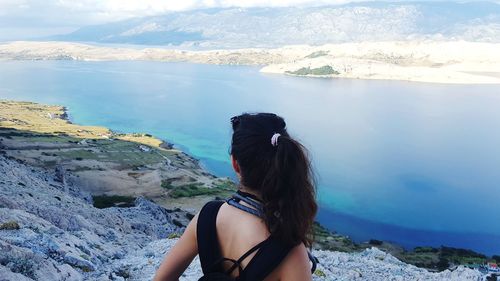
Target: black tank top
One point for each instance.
(270, 252)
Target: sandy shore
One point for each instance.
(454, 62)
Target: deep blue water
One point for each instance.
(413, 163)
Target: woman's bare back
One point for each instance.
(237, 232)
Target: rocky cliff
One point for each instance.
(49, 230)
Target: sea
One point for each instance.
(417, 164)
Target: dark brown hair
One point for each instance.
(281, 173)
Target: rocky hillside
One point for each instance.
(115, 167)
(371, 264)
(49, 230)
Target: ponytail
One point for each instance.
(280, 171)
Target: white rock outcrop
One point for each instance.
(371, 264)
(49, 230)
(61, 236)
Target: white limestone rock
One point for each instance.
(59, 235)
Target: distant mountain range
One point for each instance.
(274, 27)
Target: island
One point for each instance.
(451, 62)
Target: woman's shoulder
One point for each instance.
(296, 265)
(241, 221)
(210, 210)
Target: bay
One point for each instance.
(412, 163)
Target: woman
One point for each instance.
(262, 232)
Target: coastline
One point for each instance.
(416, 61)
(32, 133)
(104, 162)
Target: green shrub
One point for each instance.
(426, 250)
(190, 190)
(324, 70)
(316, 54)
(10, 225)
(167, 184)
(443, 264)
(173, 235)
(228, 185)
(105, 201)
(223, 188)
(320, 231)
(375, 242)
(319, 273)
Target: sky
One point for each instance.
(22, 19)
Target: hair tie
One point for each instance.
(274, 139)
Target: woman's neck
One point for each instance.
(250, 191)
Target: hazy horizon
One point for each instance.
(32, 20)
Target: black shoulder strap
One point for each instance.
(206, 235)
(270, 255)
(271, 252)
(237, 264)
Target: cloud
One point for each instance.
(80, 12)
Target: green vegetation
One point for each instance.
(320, 231)
(174, 235)
(319, 273)
(442, 258)
(226, 185)
(105, 201)
(423, 259)
(43, 133)
(167, 184)
(221, 189)
(124, 153)
(425, 250)
(10, 225)
(375, 242)
(426, 257)
(324, 239)
(320, 71)
(316, 54)
(190, 190)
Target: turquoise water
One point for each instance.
(413, 163)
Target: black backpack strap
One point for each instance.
(314, 261)
(206, 236)
(271, 254)
(237, 264)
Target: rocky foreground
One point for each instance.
(49, 230)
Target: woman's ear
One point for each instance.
(236, 167)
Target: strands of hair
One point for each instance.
(279, 171)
